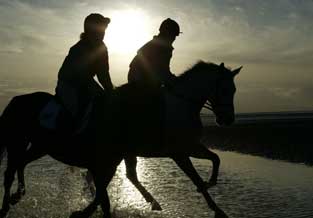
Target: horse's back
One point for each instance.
(25, 106)
(35, 98)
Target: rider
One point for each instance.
(76, 87)
(151, 65)
(150, 69)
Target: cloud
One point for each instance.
(234, 30)
(9, 49)
(23, 28)
(47, 26)
(284, 92)
(260, 97)
(250, 31)
(55, 5)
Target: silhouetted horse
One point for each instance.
(132, 122)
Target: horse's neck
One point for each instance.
(185, 100)
(196, 89)
(180, 112)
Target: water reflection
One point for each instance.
(124, 193)
(249, 187)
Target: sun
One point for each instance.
(127, 31)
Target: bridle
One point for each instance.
(208, 105)
(211, 105)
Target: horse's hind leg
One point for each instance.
(131, 173)
(8, 181)
(30, 155)
(201, 152)
(186, 165)
(20, 192)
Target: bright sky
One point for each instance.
(122, 37)
(273, 40)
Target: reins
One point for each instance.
(207, 104)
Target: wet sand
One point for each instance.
(248, 187)
(286, 137)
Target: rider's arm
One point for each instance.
(105, 80)
(165, 73)
(103, 74)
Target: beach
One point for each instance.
(248, 186)
(284, 135)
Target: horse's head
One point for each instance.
(213, 83)
(221, 97)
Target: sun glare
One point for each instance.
(127, 32)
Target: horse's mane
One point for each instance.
(200, 66)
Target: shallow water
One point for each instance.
(249, 187)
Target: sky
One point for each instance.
(272, 40)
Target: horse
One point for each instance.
(204, 81)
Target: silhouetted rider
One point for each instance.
(150, 70)
(76, 87)
(151, 65)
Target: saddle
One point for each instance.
(55, 117)
(49, 114)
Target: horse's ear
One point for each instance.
(236, 71)
(222, 65)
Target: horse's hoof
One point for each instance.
(16, 197)
(107, 216)
(155, 206)
(92, 191)
(207, 185)
(210, 184)
(3, 213)
(220, 214)
(78, 214)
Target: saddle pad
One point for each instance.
(49, 113)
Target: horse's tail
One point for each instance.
(9, 120)
(2, 144)
(3, 130)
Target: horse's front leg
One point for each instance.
(101, 195)
(201, 152)
(131, 173)
(89, 183)
(101, 179)
(89, 210)
(186, 165)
